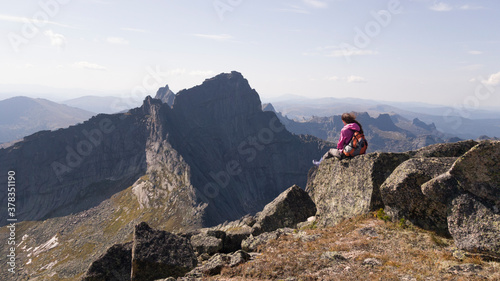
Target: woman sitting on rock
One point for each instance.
(351, 126)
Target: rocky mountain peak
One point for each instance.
(226, 95)
(417, 122)
(268, 107)
(165, 95)
(150, 102)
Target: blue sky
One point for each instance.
(441, 52)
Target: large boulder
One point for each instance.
(345, 188)
(403, 197)
(474, 225)
(114, 265)
(478, 171)
(159, 254)
(443, 188)
(454, 149)
(471, 190)
(288, 209)
(236, 232)
(208, 241)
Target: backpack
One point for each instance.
(356, 146)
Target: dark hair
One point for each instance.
(351, 118)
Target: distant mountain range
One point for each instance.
(22, 116)
(108, 105)
(472, 124)
(385, 133)
(113, 104)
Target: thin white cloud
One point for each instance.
(348, 79)
(468, 7)
(135, 30)
(295, 9)
(493, 80)
(316, 3)
(472, 67)
(177, 71)
(117, 41)
(349, 53)
(183, 71)
(56, 39)
(88, 65)
(37, 22)
(474, 52)
(218, 37)
(201, 72)
(339, 51)
(441, 7)
(355, 79)
(101, 1)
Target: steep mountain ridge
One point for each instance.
(217, 128)
(251, 148)
(213, 156)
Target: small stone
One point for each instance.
(465, 268)
(372, 262)
(333, 256)
(458, 254)
(408, 278)
(368, 231)
(238, 258)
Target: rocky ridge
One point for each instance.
(84, 188)
(392, 182)
(451, 189)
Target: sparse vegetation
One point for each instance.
(403, 254)
(382, 215)
(402, 223)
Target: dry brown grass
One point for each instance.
(404, 254)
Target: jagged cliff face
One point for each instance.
(213, 156)
(215, 140)
(73, 169)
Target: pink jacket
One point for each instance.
(346, 134)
